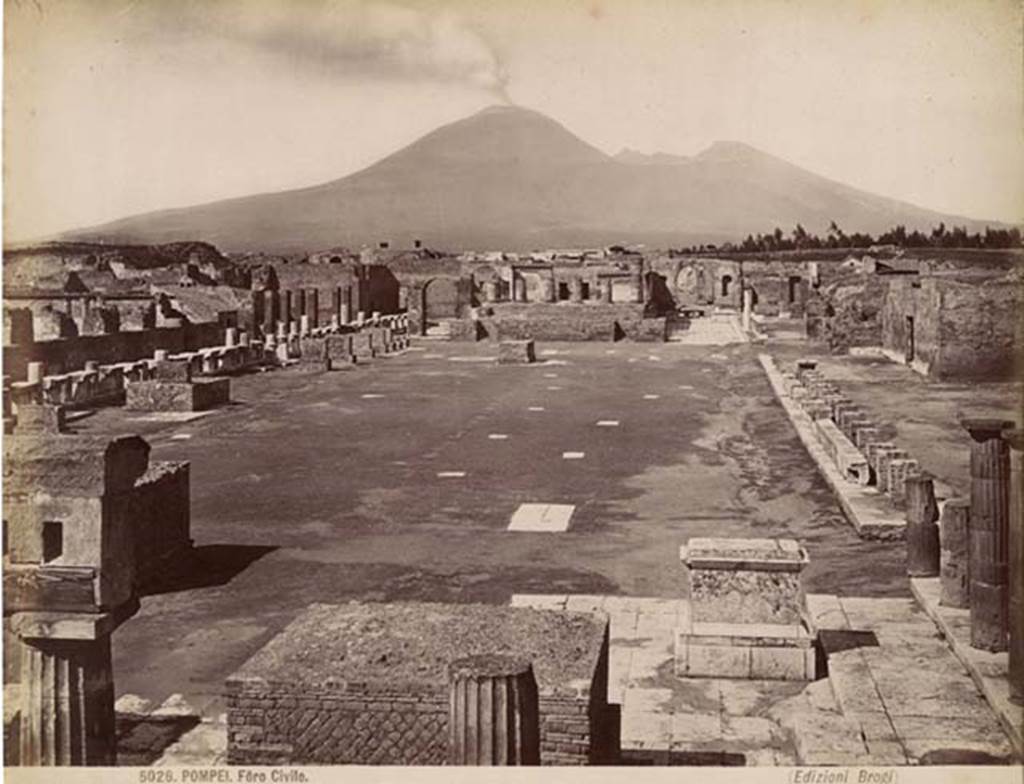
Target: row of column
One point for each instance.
(548, 293)
(274, 307)
(978, 550)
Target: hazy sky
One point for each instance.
(114, 107)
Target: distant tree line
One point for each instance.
(940, 237)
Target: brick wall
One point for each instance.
(273, 723)
(161, 519)
(571, 322)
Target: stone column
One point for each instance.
(575, 289)
(230, 337)
(922, 533)
(269, 311)
(67, 702)
(286, 308)
(343, 314)
(607, 292)
(304, 324)
(313, 307)
(989, 529)
(493, 712)
(953, 558)
(636, 280)
(160, 355)
(336, 304)
(748, 307)
(302, 304)
(518, 288)
(1015, 438)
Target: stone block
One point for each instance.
(172, 370)
(516, 352)
(198, 395)
(852, 464)
(695, 660)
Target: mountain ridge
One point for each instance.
(514, 178)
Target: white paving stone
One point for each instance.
(572, 455)
(552, 518)
(181, 436)
(535, 408)
(371, 396)
(608, 423)
(498, 436)
(450, 474)
(651, 397)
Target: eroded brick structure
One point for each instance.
(368, 684)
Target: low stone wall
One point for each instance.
(566, 321)
(366, 684)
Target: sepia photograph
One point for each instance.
(397, 384)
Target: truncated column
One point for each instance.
(989, 529)
(922, 532)
(1015, 438)
(953, 535)
(493, 712)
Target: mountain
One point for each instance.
(512, 178)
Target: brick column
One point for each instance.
(1015, 438)
(493, 712)
(922, 533)
(989, 528)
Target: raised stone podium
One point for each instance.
(747, 611)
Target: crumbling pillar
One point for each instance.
(344, 315)
(230, 337)
(336, 305)
(304, 324)
(1015, 438)
(269, 311)
(313, 307)
(493, 712)
(989, 529)
(301, 304)
(575, 289)
(922, 533)
(953, 557)
(286, 307)
(748, 307)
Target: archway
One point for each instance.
(440, 300)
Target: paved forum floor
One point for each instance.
(326, 488)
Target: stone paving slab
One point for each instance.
(987, 670)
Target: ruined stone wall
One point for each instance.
(571, 322)
(916, 299)
(779, 286)
(847, 312)
(161, 519)
(68, 354)
(977, 327)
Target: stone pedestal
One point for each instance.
(344, 313)
(516, 352)
(989, 533)
(747, 611)
(230, 337)
(493, 712)
(953, 555)
(922, 533)
(748, 308)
